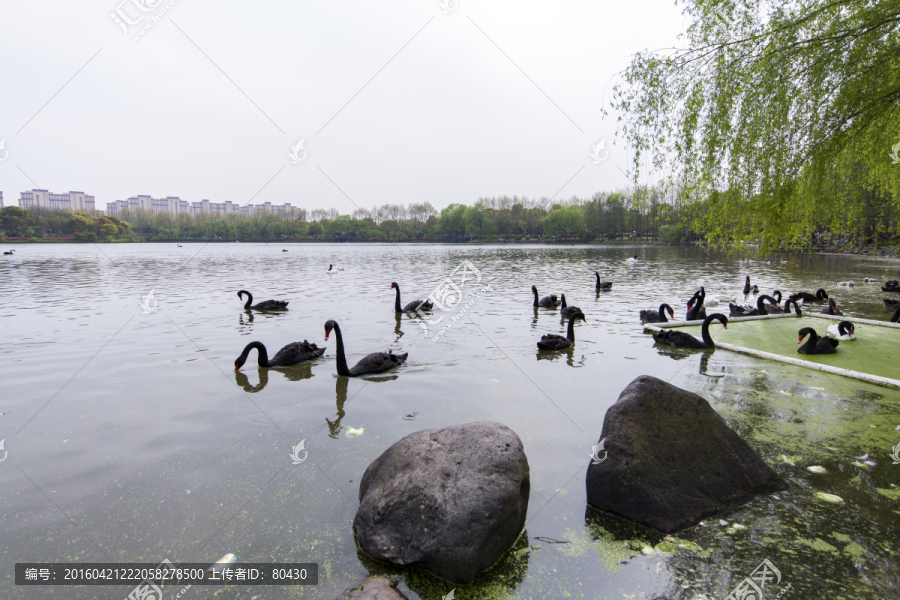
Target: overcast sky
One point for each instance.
(396, 101)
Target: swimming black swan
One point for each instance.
(602, 285)
(11, 251)
(843, 330)
(657, 316)
(291, 354)
(568, 311)
(891, 286)
(831, 309)
(821, 296)
(888, 303)
(551, 341)
(816, 344)
(747, 288)
(377, 362)
(681, 339)
(267, 305)
(778, 310)
(696, 311)
(412, 306)
(743, 311)
(546, 302)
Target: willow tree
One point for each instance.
(780, 116)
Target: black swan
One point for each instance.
(10, 252)
(831, 309)
(413, 306)
(891, 286)
(816, 344)
(696, 311)
(568, 311)
(747, 287)
(267, 305)
(546, 302)
(657, 316)
(742, 311)
(551, 341)
(896, 316)
(602, 285)
(291, 354)
(377, 362)
(889, 303)
(843, 330)
(821, 296)
(778, 310)
(681, 339)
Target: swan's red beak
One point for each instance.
(326, 335)
(236, 368)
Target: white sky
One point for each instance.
(448, 119)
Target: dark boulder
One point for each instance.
(672, 460)
(450, 500)
(373, 588)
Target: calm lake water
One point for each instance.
(130, 438)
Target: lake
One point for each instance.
(130, 438)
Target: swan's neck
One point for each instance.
(704, 332)
(535, 297)
(341, 359)
(262, 356)
(813, 339)
(249, 300)
(571, 334)
(397, 300)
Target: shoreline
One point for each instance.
(892, 252)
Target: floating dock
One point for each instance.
(874, 356)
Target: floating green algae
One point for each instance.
(817, 544)
(875, 350)
(892, 493)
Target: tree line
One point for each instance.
(603, 216)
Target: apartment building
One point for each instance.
(74, 201)
(174, 205)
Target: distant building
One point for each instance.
(73, 201)
(174, 205)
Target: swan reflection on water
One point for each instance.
(340, 393)
(569, 353)
(293, 373)
(680, 354)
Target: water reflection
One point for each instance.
(292, 373)
(340, 392)
(397, 331)
(704, 366)
(569, 353)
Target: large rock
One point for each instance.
(451, 500)
(672, 460)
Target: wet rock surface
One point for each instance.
(450, 500)
(672, 460)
